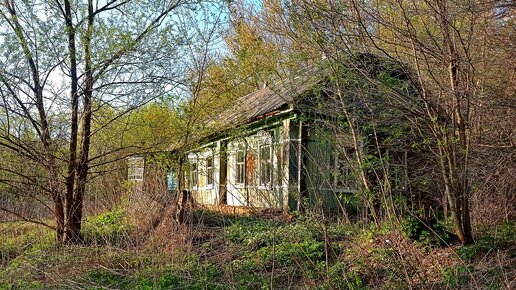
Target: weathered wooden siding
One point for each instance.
(302, 161)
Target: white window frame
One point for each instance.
(264, 138)
(172, 179)
(136, 168)
(268, 162)
(193, 160)
(135, 174)
(234, 147)
(240, 165)
(194, 174)
(211, 158)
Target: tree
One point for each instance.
(457, 57)
(117, 54)
(445, 43)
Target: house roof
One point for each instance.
(277, 97)
(290, 93)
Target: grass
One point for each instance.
(238, 252)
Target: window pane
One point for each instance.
(209, 170)
(240, 167)
(265, 152)
(265, 165)
(398, 174)
(171, 181)
(240, 156)
(194, 175)
(136, 168)
(240, 173)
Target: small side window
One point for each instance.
(136, 168)
(209, 171)
(172, 181)
(240, 166)
(194, 174)
(265, 165)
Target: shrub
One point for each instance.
(24, 248)
(426, 232)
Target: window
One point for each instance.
(194, 174)
(209, 171)
(172, 181)
(265, 165)
(135, 174)
(136, 168)
(240, 167)
(398, 174)
(345, 178)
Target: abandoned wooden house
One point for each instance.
(277, 148)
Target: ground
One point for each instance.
(215, 251)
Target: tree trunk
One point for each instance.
(59, 213)
(78, 161)
(457, 160)
(70, 208)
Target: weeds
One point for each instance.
(238, 252)
(110, 228)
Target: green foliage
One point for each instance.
(105, 279)
(296, 250)
(153, 125)
(257, 232)
(350, 202)
(425, 232)
(482, 246)
(393, 82)
(339, 231)
(504, 232)
(109, 279)
(457, 277)
(20, 237)
(500, 236)
(341, 277)
(285, 253)
(191, 273)
(110, 228)
(256, 253)
(23, 244)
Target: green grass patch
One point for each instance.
(110, 228)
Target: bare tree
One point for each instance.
(456, 58)
(117, 54)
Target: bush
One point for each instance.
(427, 232)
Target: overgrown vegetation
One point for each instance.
(251, 252)
(83, 86)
